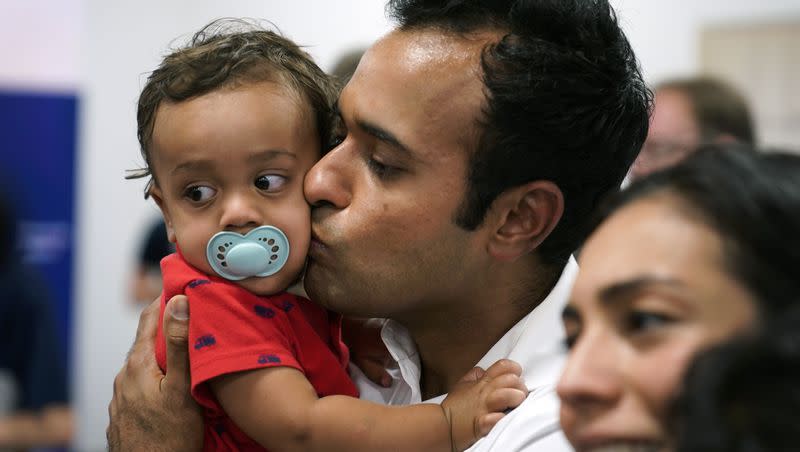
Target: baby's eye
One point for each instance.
(270, 182)
(199, 193)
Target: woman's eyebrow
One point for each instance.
(625, 290)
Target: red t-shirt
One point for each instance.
(232, 330)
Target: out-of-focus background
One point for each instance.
(70, 75)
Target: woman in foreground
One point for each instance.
(678, 262)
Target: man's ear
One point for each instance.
(158, 197)
(522, 217)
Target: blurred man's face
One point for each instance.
(674, 134)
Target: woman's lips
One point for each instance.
(619, 445)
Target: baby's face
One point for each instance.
(233, 160)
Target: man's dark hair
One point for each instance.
(718, 108)
(565, 102)
(225, 53)
(744, 395)
(751, 201)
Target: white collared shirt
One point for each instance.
(536, 342)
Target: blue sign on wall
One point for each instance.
(37, 170)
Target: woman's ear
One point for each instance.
(522, 217)
(155, 193)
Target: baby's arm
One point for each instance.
(279, 409)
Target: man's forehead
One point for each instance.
(430, 50)
(433, 69)
(423, 84)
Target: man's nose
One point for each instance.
(240, 212)
(591, 376)
(329, 182)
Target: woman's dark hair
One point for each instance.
(744, 395)
(565, 102)
(751, 200)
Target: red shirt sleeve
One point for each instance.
(230, 329)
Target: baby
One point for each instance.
(229, 126)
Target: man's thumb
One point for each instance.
(176, 333)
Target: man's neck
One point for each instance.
(451, 342)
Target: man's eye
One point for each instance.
(379, 169)
(199, 193)
(270, 182)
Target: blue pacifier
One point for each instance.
(261, 252)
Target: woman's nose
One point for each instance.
(591, 375)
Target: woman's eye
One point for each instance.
(570, 340)
(640, 321)
(270, 182)
(199, 193)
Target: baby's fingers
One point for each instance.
(503, 399)
(508, 381)
(503, 366)
(485, 423)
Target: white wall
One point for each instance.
(41, 44)
(665, 34)
(107, 50)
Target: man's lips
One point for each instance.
(317, 247)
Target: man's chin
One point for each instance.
(318, 284)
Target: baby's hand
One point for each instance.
(481, 399)
(367, 350)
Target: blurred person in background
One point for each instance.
(680, 261)
(34, 408)
(744, 395)
(145, 284)
(688, 113)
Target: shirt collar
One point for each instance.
(535, 341)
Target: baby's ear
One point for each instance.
(155, 193)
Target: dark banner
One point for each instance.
(37, 174)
